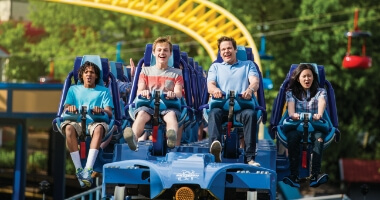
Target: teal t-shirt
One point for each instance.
(80, 96)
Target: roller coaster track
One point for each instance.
(201, 19)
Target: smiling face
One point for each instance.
(228, 52)
(162, 53)
(306, 78)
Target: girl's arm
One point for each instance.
(292, 110)
(321, 108)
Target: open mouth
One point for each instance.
(227, 56)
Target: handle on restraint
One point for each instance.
(305, 139)
(231, 113)
(82, 136)
(155, 122)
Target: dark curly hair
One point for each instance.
(83, 68)
(296, 87)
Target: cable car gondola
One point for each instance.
(357, 61)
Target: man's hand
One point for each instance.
(133, 68)
(217, 93)
(247, 94)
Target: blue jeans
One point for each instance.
(294, 141)
(247, 117)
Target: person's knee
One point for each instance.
(215, 115)
(215, 111)
(250, 113)
(98, 131)
(69, 130)
(170, 117)
(318, 137)
(143, 116)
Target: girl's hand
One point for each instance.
(317, 116)
(295, 116)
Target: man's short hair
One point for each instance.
(83, 68)
(163, 40)
(225, 38)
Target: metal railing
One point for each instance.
(92, 194)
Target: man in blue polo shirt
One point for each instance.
(241, 77)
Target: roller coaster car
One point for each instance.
(84, 114)
(185, 172)
(280, 124)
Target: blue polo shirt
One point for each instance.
(232, 77)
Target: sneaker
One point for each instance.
(86, 176)
(216, 150)
(78, 173)
(172, 138)
(130, 138)
(292, 180)
(253, 163)
(318, 179)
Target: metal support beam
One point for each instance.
(19, 182)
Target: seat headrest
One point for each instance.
(102, 63)
(317, 68)
(117, 69)
(241, 53)
(113, 68)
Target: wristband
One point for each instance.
(253, 90)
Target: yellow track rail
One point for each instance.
(202, 20)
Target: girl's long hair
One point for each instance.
(296, 87)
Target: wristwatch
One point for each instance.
(253, 90)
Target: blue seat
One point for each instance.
(278, 117)
(231, 144)
(280, 123)
(106, 79)
(189, 95)
(117, 70)
(243, 53)
(147, 61)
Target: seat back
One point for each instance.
(149, 60)
(102, 63)
(117, 70)
(244, 53)
(106, 78)
(330, 115)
